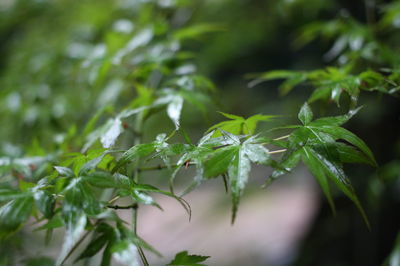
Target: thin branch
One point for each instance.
(118, 207)
(143, 257)
(283, 137)
(277, 151)
(161, 167)
(113, 199)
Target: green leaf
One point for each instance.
(238, 172)
(94, 247)
(144, 198)
(174, 110)
(239, 125)
(219, 161)
(251, 122)
(55, 222)
(127, 237)
(14, 214)
(305, 114)
(79, 194)
(337, 175)
(257, 153)
(45, 202)
(231, 126)
(7, 194)
(91, 123)
(344, 134)
(320, 93)
(334, 120)
(149, 188)
(103, 235)
(109, 137)
(91, 164)
(107, 180)
(184, 259)
(231, 116)
(107, 133)
(195, 31)
(64, 171)
(289, 161)
(75, 227)
(293, 78)
(39, 261)
(349, 154)
(313, 164)
(134, 153)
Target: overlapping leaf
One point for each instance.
(316, 144)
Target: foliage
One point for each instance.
(129, 71)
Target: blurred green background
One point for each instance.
(56, 72)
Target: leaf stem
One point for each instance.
(143, 257)
(277, 151)
(113, 199)
(283, 137)
(118, 207)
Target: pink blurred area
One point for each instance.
(269, 226)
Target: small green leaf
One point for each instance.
(251, 122)
(257, 153)
(45, 202)
(7, 194)
(349, 154)
(14, 214)
(75, 227)
(64, 171)
(334, 120)
(174, 110)
(91, 164)
(107, 180)
(79, 194)
(293, 78)
(219, 161)
(195, 31)
(39, 261)
(337, 175)
(110, 136)
(184, 259)
(238, 172)
(305, 114)
(125, 252)
(134, 153)
(55, 222)
(231, 116)
(342, 133)
(103, 234)
(289, 161)
(313, 164)
(149, 188)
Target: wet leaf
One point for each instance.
(184, 259)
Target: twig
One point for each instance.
(283, 137)
(277, 151)
(143, 257)
(161, 167)
(113, 199)
(118, 207)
